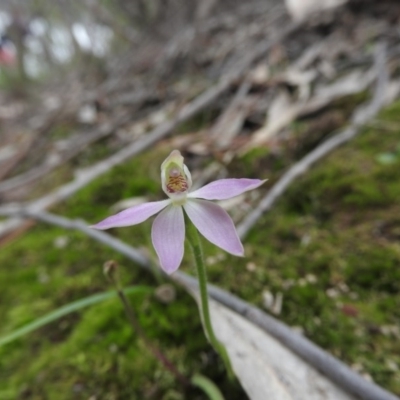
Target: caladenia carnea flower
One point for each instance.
(168, 231)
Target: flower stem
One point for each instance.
(194, 241)
(111, 273)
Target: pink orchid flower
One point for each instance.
(168, 231)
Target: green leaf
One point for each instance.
(207, 386)
(67, 309)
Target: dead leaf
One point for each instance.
(281, 113)
(231, 121)
(266, 369)
(259, 75)
(300, 10)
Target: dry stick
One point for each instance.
(181, 43)
(36, 173)
(331, 367)
(156, 134)
(88, 138)
(44, 127)
(222, 132)
(8, 166)
(361, 116)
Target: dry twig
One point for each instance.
(334, 369)
(42, 170)
(187, 112)
(361, 116)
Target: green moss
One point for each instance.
(374, 268)
(69, 357)
(94, 352)
(340, 222)
(331, 247)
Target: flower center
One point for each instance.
(175, 178)
(176, 181)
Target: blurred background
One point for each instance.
(93, 97)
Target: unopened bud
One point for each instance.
(110, 269)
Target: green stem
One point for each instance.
(194, 240)
(111, 272)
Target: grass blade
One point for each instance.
(67, 309)
(207, 386)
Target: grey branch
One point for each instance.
(187, 112)
(361, 116)
(334, 369)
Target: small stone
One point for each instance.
(251, 267)
(61, 242)
(353, 295)
(165, 293)
(260, 74)
(277, 307)
(343, 287)
(221, 256)
(332, 293)
(268, 299)
(113, 348)
(87, 114)
(43, 277)
(302, 282)
(305, 240)
(359, 332)
(211, 260)
(367, 377)
(311, 278)
(53, 159)
(390, 330)
(392, 365)
(288, 284)
(385, 330)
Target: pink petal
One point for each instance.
(226, 188)
(132, 216)
(214, 223)
(168, 236)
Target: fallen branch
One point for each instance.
(331, 367)
(187, 112)
(8, 166)
(361, 116)
(230, 122)
(282, 111)
(36, 173)
(46, 123)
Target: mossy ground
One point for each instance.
(331, 247)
